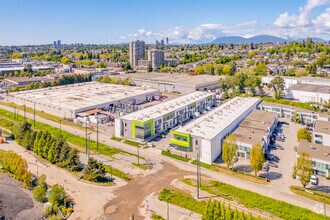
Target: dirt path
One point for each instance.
(123, 206)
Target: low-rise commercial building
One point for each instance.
(256, 128)
(290, 81)
(206, 133)
(321, 134)
(150, 122)
(177, 83)
(309, 93)
(286, 111)
(319, 154)
(69, 100)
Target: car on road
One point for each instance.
(169, 147)
(314, 180)
(274, 158)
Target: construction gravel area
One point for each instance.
(15, 202)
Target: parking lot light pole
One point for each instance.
(97, 132)
(138, 153)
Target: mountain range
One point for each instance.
(258, 39)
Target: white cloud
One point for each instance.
(296, 26)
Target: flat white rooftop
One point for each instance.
(214, 122)
(167, 107)
(82, 95)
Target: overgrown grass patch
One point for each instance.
(251, 199)
(166, 153)
(238, 174)
(311, 194)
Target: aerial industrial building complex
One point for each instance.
(69, 100)
(177, 83)
(256, 128)
(150, 122)
(207, 132)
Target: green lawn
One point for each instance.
(71, 138)
(141, 166)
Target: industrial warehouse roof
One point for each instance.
(167, 107)
(214, 122)
(82, 95)
(179, 79)
(311, 88)
(248, 135)
(315, 151)
(254, 127)
(322, 127)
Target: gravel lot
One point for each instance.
(15, 202)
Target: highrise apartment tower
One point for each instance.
(136, 52)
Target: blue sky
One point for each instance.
(183, 21)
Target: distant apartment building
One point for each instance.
(59, 44)
(136, 52)
(156, 58)
(55, 44)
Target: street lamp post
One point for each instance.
(97, 132)
(138, 153)
(34, 114)
(24, 113)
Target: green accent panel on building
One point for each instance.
(150, 121)
(179, 142)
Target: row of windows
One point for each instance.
(321, 165)
(180, 138)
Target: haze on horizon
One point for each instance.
(110, 22)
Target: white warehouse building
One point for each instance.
(309, 93)
(153, 121)
(69, 100)
(207, 132)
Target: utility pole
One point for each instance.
(86, 136)
(138, 152)
(34, 113)
(97, 132)
(167, 211)
(89, 144)
(24, 113)
(60, 126)
(197, 169)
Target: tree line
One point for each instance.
(54, 149)
(116, 80)
(16, 166)
(216, 210)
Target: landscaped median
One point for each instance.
(251, 200)
(169, 154)
(311, 194)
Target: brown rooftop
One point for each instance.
(316, 151)
(322, 127)
(248, 135)
(261, 116)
